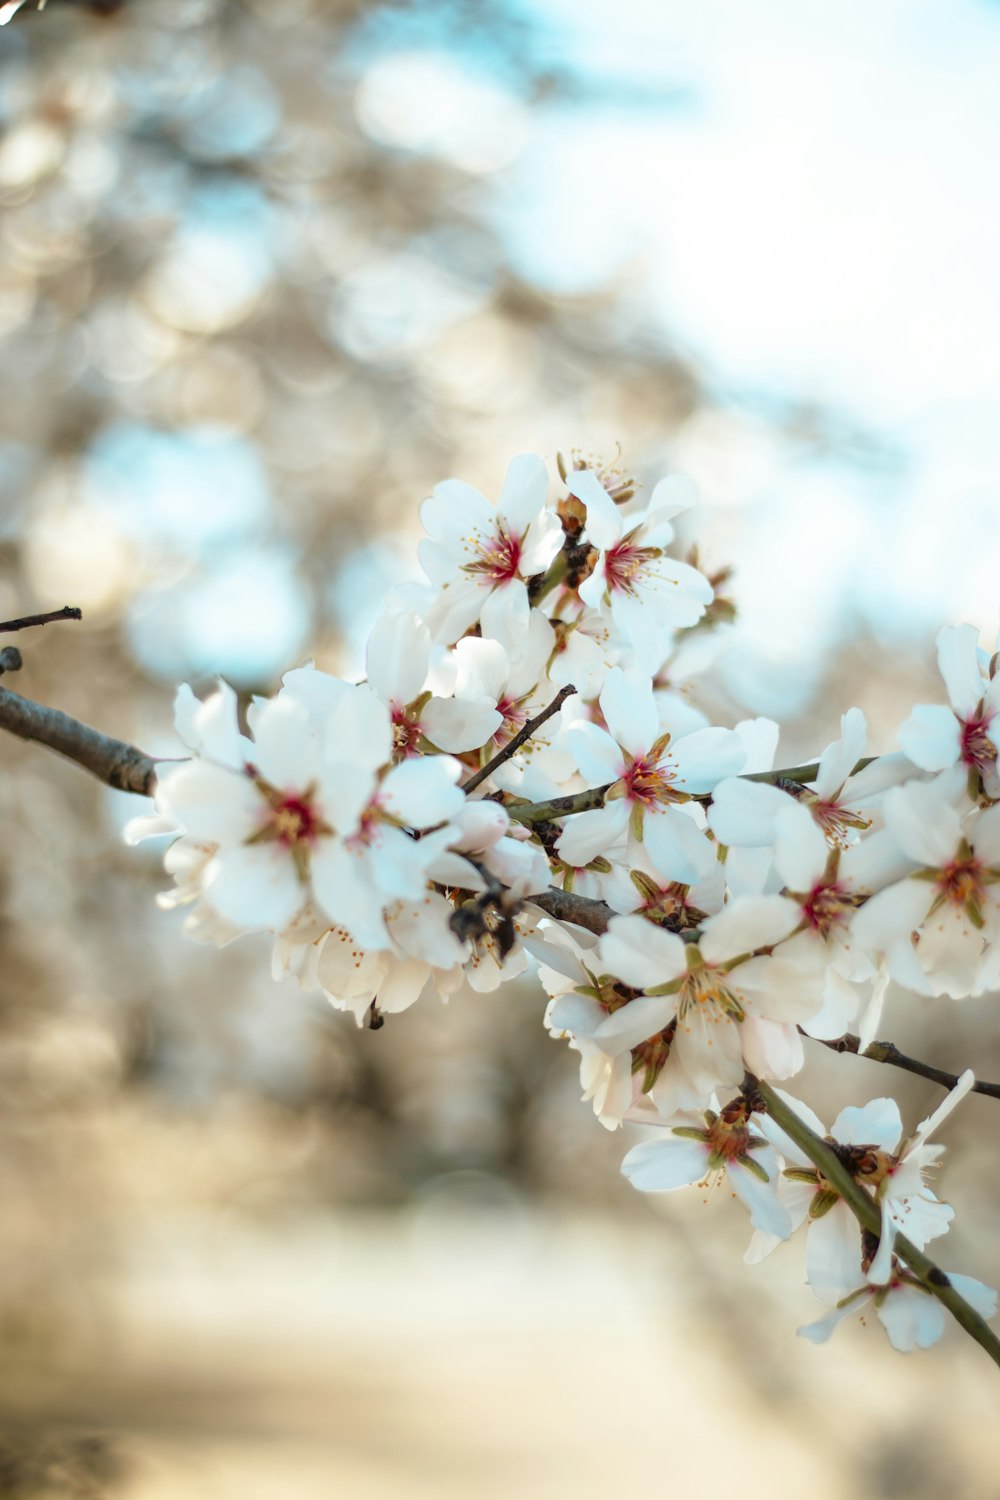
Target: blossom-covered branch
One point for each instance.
(693, 912)
(843, 1182)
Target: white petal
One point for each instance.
(398, 656)
(658, 1166)
(587, 835)
(604, 519)
(876, 1123)
(983, 1299)
(629, 710)
(506, 613)
(747, 923)
(931, 737)
(524, 492)
(640, 953)
(457, 724)
(672, 495)
(771, 1049)
(800, 849)
(926, 824)
(760, 741)
(360, 730)
(286, 750)
(891, 914)
(211, 803)
(344, 890)
(455, 510)
(483, 668)
(634, 1023)
(677, 846)
(706, 757)
(959, 663)
(597, 754)
(422, 791)
(402, 985)
(833, 1254)
(912, 1318)
(944, 1109)
(820, 1331)
(767, 1212)
(456, 607)
(742, 813)
(839, 759)
(255, 885)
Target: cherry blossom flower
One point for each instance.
(398, 664)
(935, 737)
(910, 1315)
(647, 593)
(479, 557)
(721, 1143)
(651, 775)
(869, 1140)
(951, 900)
(726, 1009)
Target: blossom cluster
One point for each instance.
(519, 780)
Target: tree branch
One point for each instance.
(566, 906)
(514, 744)
(559, 807)
(593, 797)
(865, 1210)
(68, 612)
(888, 1052)
(113, 761)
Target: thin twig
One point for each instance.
(514, 744)
(865, 1210)
(68, 612)
(888, 1052)
(112, 761)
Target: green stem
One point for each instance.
(541, 587)
(865, 1210)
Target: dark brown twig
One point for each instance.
(68, 612)
(524, 733)
(888, 1052)
(112, 761)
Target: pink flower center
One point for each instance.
(295, 821)
(837, 822)
(499, 557)
(650, 781)
(624, 563)
(406, 731)
(825, 908)
(515, 716)
(961, 882)
(978, 750)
